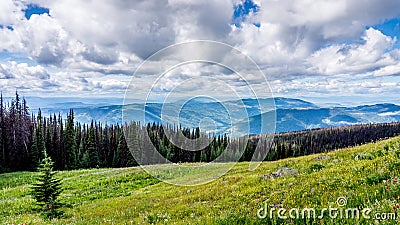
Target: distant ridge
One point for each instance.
(292, 114)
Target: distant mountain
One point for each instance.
(291, 114)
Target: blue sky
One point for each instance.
(242, 11)
(327, 49)
(32, 9)
(390, 27)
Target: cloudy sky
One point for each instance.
(328, 49)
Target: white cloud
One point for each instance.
(389, 70)
(22, 76)
(336, 86)
(330, 19)
(94, 45)
(355, 58)
(196, 20)
(46, 40)
(10, 12)
(36, 80)
(297, 38)
(21, 71)
(141, 27)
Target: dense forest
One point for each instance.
(24, 138)
(268, 147)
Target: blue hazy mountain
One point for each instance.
(238, 115)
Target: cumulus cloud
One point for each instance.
(372, 54)
(296, 38)
(340, 86)
(5, 73)
(333, 20)
(41, 38)
(21, 76)
(21, 71)
(37, 80)
(95, 45)
(141, 27)
(94, 54)
(390, 70)
(10, 12)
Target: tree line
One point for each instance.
(300, 143)
(26, 138)
(264, 147)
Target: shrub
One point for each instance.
(394, 167)
(379, 153)
(398, 153)
(376, 178)
(315, 168)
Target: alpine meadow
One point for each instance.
(200, 112)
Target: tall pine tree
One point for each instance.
(38, 148)
(3, 141)
(70, 142)
(91, 148)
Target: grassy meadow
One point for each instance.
(364, 176)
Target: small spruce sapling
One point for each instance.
(48, 189)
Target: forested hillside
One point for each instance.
(25, 137)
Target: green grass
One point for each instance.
(131, 196)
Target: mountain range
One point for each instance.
(243, 116)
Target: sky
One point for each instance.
(335, 50)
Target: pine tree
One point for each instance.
(125, 157)
(2, 137)
(134, 143)
(91, 148)
(83, 154)
(48, 188)
(38, 148)
(116, 157)
(70, 142)
(55, 144)
(61, 144)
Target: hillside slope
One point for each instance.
(363, 176)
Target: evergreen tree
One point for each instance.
(3, 158)
(55, 144)
(70, 142)
(104, 145)
(38, 148)
(61, 144)
(91, 148)
(117, 157)
(48, 188)
(125, 157)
